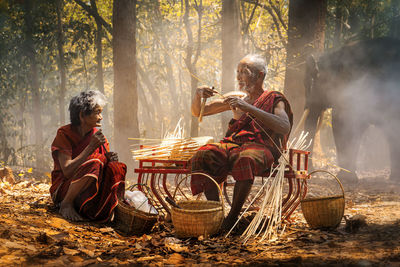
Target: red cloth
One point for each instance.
(100, 198)
(242, 161)
(245, 152)
(247, 129)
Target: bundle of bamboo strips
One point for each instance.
(172, 149)
(267, 221)
(173, 146)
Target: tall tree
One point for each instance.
(394, 23)
(99, 59)
(125, 77)
(306, 35)
(193, 56)
(61, 61)
(34, 81)
(160, 32)
(231, 52)
(338, 23)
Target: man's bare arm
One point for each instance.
(278, 122)
(213, 107)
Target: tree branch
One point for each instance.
(246, 27)
(199, 9)
(269, 9)
(278, 13)
(274, 18)
(96, 15)
(189, 48)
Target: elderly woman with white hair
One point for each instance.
(87, 179)
(258, 131)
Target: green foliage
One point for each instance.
(360, 20)
(161, 52)
(162, 36)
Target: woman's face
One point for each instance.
(93, 119)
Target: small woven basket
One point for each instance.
(132, 221)
(324, 212)
(198, 217)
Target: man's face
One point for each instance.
(245, 81)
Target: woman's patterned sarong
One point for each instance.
(99, 199)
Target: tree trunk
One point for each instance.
(394, 23)
(306, 34)
(99, 66)
(34, 83)
(194, 126)
(191, 63)
(160, 35)
(147, 113)
(61, 62)
(125, 78)
(231, 52)
(150, 86)
(338, 23)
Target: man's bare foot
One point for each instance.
(228, 223)
(68, 211)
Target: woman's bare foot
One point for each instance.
(68, 211)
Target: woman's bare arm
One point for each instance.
(69, 165)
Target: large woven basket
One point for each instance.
(132, 221)
(198, 217)
(324, 212)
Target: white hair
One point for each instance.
(85, 102)
(256, 64)
(99, 98)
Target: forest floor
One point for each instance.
(33, 233)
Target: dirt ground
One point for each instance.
(32, 233)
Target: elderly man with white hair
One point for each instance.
(256, 134)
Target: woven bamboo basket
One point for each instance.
(198, 217)
(324, 212)
(132, 221)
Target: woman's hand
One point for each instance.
(205, 91)
(97, 140)
(112, 156)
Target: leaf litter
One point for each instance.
(33, 233)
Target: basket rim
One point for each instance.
(135, 210)
(322, 198)
(181, 210)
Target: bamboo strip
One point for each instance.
(267, 221)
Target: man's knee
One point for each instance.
(203, 158)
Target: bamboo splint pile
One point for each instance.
(172, 149)
(268, 220)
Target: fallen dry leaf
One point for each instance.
(57, 222)
(175, 258)
(17, 245)
(75, 258)
(106, 230)
(69, 251)
(177, 247)
(148, 258)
